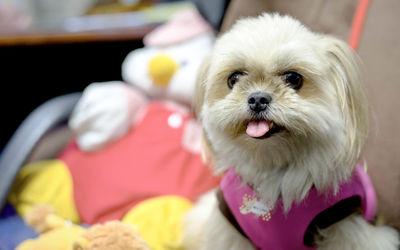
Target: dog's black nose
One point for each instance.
(259, 101)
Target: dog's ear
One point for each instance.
(351, 95)
(199, 94)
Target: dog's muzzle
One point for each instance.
(259, 101)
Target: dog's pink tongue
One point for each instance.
(257, 129)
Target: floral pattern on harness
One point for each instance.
(251, 205)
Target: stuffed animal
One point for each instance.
(164, 70)
(136, 143)
(57, 233)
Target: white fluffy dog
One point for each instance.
(285, 113)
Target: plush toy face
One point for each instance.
(168, 72)
(167, 66)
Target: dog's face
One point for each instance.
(273, 95)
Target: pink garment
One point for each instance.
(150, 160)
(270, 228)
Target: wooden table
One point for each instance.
(47, 37)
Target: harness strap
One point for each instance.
(323, 220)
(330, 216)
(226, 212)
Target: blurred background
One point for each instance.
(49, 48)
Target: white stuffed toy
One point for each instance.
(165, 69)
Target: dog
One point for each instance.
(285, 119)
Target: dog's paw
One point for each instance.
(354, 233)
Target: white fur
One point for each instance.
(354, 233)
(206, 228)
(326, 124)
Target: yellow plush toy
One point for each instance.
(60, 234)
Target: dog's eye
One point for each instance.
(295, 80)
(234, 77)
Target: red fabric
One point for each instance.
(358, 23)
(149, 161)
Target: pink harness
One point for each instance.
(270, 228)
